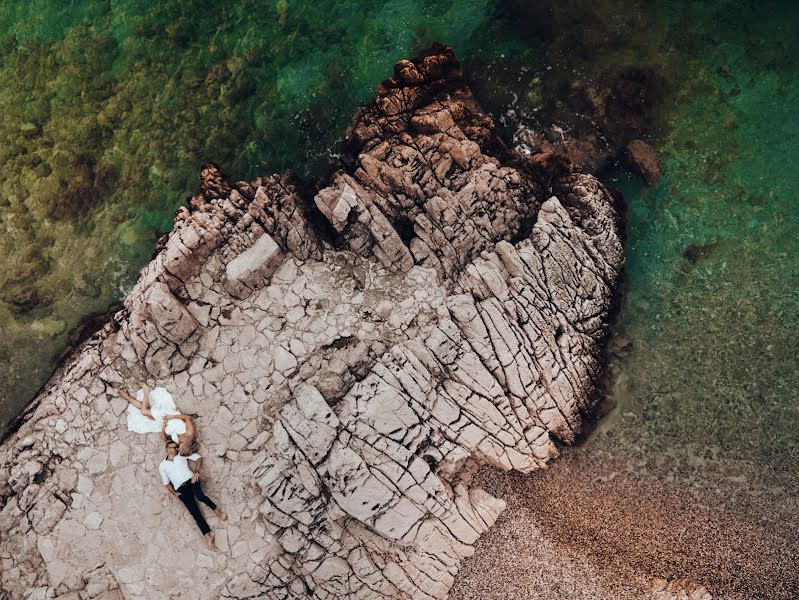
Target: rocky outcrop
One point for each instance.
(350, 356)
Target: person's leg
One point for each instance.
(187, 497)
(200, 495)
(144, 407)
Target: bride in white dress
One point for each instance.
(154, 410)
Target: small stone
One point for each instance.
(118, 453)
(85, 485)
(252, 268)
(204, 562)
(93, 520)
(97, 464)
(25, 443)
(201, 312)
(33, 468)
(384, 309)
(101, 405)
(46, 548)
(284, 360)
(296, 346)
(295, 314)
(118, 405)
(69, 530)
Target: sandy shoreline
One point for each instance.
(587, 528)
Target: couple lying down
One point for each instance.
(154, 410)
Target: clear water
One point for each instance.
(710, 325)
(134, 97)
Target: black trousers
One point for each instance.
(189, 494)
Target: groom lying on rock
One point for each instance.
(184, 483)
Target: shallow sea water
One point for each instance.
(707, 342)
(110, 110)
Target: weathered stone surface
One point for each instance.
(252, 268)
(679, 589)
(351, 355)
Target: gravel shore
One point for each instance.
(589, 528)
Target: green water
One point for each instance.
(110, 109)
(711, 318)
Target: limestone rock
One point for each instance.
(352, 355)
(252, 268)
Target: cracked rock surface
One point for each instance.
(350, 357)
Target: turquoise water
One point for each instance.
(711, 319)
(110, 109)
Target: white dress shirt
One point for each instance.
(176, 471)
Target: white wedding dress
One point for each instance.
(161, 403)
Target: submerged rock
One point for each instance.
(643, 160)
(351, 357)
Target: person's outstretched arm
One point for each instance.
(167, 483)
(189, 426)
(196, 476)
(164, 436)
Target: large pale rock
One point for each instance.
(352, 357)
(162, 330)
(174, 322)
(252, 268)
